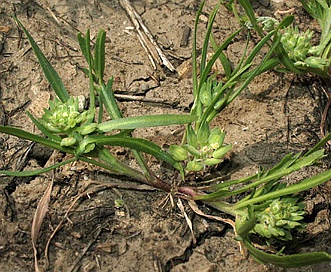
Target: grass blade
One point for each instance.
(251, 15)
(300, 163)
(82, 44)
(258, 47)
(319, 144)
(215, 56)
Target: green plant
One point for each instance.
(269, 207)
(262, 213)
(296, 52)
(202, 146)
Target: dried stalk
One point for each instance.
(146, 38)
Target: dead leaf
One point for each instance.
(38, 220)
(4, 29)
(195, 208)
(188, 220)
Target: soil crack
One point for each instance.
(200, 240)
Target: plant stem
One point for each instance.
(222, 206)
(118, 166)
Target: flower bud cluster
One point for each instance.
(279, 218)
(299, 49)
(209, 90)
(296, 43)
(203, 149)
(67, 120)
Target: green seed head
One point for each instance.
(220, 152)
(212, 161)
(216, 138)
(194, 166)
(85, 146)
(192, 137)
(68, 141)
(203, 134)
(179, 153)
(87, 129)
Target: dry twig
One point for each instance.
(146, 38)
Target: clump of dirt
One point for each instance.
(276, 115)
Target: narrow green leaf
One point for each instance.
(50, 73)
(222, 57)
(319, 145)
(146, 121)
(43, 129)
(109, 100)
(258, 47)
(290, 163)
(99, 55)
(215, 56)
(243, 56)
(117, 166)
(82, 45)
(287, 21)
(196, 104)
(268, 65)
(253, 74)
(251, 15)
(301, 162)
(291, 189)
(295, 260)
(194, 53)
(138, 144)
(35, 138)
(35, 172)
(312, 11)
(207, 38)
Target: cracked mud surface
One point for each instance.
(276, 115)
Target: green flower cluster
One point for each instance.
(205, 148)
(62, 117)
(299, 49)
(68, 121)
(296, 43)
(279, 218)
